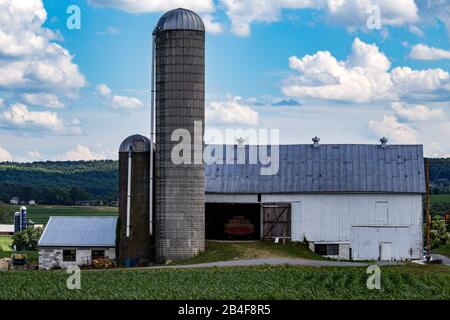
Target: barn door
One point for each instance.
(386, 251)
(276, 221)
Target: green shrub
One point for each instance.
(438, 234)
(27, 240)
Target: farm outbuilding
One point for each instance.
(361, 202)
(6, 229)
(70, 241)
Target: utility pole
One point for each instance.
(428, 214)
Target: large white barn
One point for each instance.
(360, 202)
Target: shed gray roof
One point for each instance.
(327, 168)
(79, 232)
(180, 19)
(135, 143)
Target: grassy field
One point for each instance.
(41, 214)
(400, 282)
(440, 198)
(5, 242)
(225, 251)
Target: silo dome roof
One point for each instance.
(135, 143)
(180, 19)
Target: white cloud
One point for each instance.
(77, 153)
(204, 7)
(242, 13)
(424, 52)
(435, 10)
(427, 84)
(104, 90)
(123, 102)
(352, 14)
(138, 6)
(34, 155)
(417, 31)
(30, 156)
(81, 152)
(43, 99)
(435, 150)
(28, 57)
(210, 25)
(76, 122)
(108, 31)
(1, 102)
(18, 114)
(18, 118)
(118, 102)
(4, 155)
(364, 76)
(395, 131)
(231, 111)
(418, 112)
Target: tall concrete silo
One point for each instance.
(134, 234)
(179, 62)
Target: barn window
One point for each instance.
(320, 249)
(69, 255)
(96, 254)
(332, 250)
(327, 249)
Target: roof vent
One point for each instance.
(240, 141)
(316, 141)
(384, 142)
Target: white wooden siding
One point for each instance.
(329, 218)
(367, 242)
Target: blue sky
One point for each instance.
(303, 67)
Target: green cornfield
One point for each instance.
(283, 282)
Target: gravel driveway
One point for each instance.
(444, 259)
(279, 261)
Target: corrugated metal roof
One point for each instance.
(180, 19)
(135, 143)
(79, 232)
(327, 168)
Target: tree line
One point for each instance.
(62, 183)
(440, 176)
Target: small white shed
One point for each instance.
(68, 241)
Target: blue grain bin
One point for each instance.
(17, 224)
(23, 214)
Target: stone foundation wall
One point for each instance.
(53, 257)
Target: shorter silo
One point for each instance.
(23, 217)
(134, 234)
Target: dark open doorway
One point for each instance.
(227, 221)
